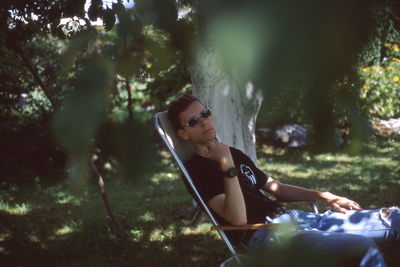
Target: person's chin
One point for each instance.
(211, 135)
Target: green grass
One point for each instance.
(49, 225)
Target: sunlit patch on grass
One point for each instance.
(167, 248)
(160, 235)
(68, 199)
(5, 235)
(147, 217)
(157, 235)
(17, 209)
(136, 234)
(33, 238)
(164, 176)
(200, 229)
(67, 228)
(63, 197)
(3, 251)
(107, 166)
(352, 186)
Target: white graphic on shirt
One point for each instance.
(248, 173)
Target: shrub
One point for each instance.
(380, 93)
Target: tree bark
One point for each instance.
(235, 107)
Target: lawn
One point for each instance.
(47, 224)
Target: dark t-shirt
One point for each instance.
(208, 179)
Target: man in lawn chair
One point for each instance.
(229, 182)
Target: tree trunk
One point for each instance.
(234, 107)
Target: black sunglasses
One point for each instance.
(195, 119)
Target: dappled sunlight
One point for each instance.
(68, 228)
(160, 234)
(136, 234)
(339, 158)
(164, 176)
(157, 235)
(157, 216)
(147, 217)
(5, 234)
(65, 198)
(17, 209)
(3, 251)
(201, 229)
(33, 237)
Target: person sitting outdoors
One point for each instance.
(230, 184)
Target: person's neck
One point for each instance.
(200, 149)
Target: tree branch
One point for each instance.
(128, 89)
(120, 229)
(35, 74)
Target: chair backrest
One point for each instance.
(182, 148)
(181, 151)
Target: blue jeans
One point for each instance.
(336, 232)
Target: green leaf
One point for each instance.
(95, 11)
(118, 8)
(83, 110)
(127, 64)
(108, 19)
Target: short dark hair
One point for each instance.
(177, 106)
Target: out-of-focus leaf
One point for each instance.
(55, 13)
(129, 25)
(60, 33)
(118, 8)
(108, 19)
(129, 142)
(128, 64)
(78, 170)
(77, 44)
(162, 56)
(54, 27)
(95, 10)
(162, 14)
(73, 8)
(76, 124)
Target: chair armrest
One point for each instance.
(245, 226)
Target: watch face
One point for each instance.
(232, 172)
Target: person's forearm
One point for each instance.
(234, 206)
(284, 192)
(287, 193)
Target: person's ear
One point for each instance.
(182, 134)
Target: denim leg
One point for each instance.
(317, 246)
(378, 224)
(347, 249)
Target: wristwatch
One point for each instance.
(230, 173)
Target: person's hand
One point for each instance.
(219, 152)
(341, 204)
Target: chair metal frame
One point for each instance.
(161, 122)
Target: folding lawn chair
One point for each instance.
(181, 151)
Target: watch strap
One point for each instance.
(230, 173)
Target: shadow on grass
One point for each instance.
(46, 226)
(52, 227)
